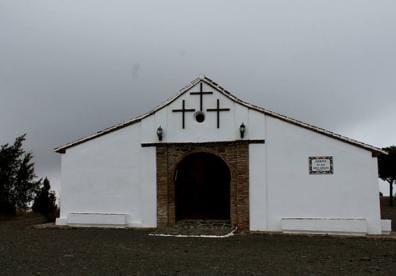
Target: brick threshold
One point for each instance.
(197, 228)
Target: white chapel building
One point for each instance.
(206, 154)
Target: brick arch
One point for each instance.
(234, 154)
(194, 151)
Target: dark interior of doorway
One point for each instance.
(202, 182)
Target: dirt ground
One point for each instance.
(25, 250)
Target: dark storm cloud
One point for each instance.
(69, 68)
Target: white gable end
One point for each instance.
(217, 126)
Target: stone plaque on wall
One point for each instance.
(321, 165)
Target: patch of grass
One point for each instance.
(20, 216)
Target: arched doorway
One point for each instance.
(202, 187)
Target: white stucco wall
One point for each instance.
(114, 174)
(351, 192)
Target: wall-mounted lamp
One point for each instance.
(160, 133)
(242, 130)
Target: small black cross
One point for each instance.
(200, 93)
(183, 111)
(218, 110)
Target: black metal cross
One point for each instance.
(218, 110)
(200, 93)
(183, 111)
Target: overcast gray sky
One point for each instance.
(70, 68)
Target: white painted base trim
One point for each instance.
(386, 226)
(102, 220)
(138, 224)
(97, 220)
(333, 226)
(60, 221)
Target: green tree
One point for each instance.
(44, 202)
(17, 177)
(387, 169)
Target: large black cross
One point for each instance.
(183, 111)
(218, 110)
(200, 93)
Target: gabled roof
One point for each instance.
(214, 85)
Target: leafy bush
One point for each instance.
(45, 201)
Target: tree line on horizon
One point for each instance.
(387, 169)
(20, 189)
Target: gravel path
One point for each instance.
(25, 250)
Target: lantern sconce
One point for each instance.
(160, 133)
(242, 130)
